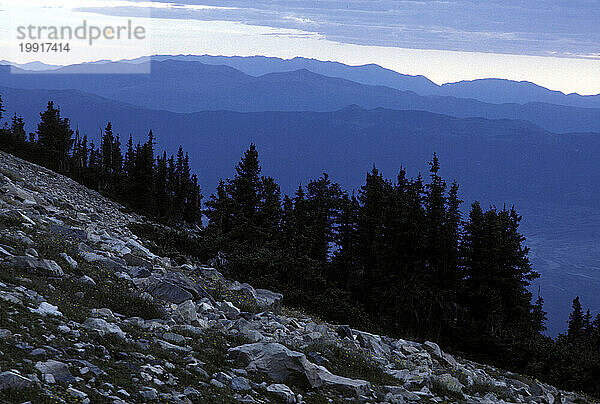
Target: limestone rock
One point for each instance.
(344, 331)
(12, 380)
(104, 262)
(4, 253)
(43, 267)
(187, 311)
(72, 263)
(240, 383)
(269, 300)
(230, 311)
(433, 349)
(59, 370)
(103, 327)
(137, 261)
(46, 308)
(282, 391)
(176, 288)
(284, 365)
(87, 280)
(170, 292)
(69, 232)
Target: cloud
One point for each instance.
(544, 27)
(299, 20)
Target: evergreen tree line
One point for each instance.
(398, 257)
(158, 186)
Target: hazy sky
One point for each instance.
(550, 42)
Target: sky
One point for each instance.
(554, 43)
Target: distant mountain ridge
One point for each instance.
(490, 90)
(183, 86)
(31, 66)
(506, 91)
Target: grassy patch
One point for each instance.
(212, 349)
(109, 292)
(14, 177)
(167, 242)
(351, 363)
(215, 286)
(32, 394)
(7, 222)
(50, 247)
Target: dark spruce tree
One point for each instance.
(17, 130)
(576, 331)
(322, 204)
(219, 211)
(111, 162)
(345, 259)
(269, 211)
(374, 198)
(141, 190)
(56, 138)
(162, 188)
(79, 160)
(244, 190)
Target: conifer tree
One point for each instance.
(439, 245)
(129, 158)
(142, 179)
(94, 167)
(56, 138)
(79, 160)
(111, 161)
(244, 190)
(323, 199)
(180, 184)
(452, 236)
(435, 204)
(374, 199)
(245, 186)
(589, 324)
(345, 261)
(161, 187)
(219, 210)
(287, 223)
(193, 207)
(498, 272)
(269, 210)
(539, 317)
(576, 329)
(298, 225)
(17, 130)
(596, 335)
(479, 298)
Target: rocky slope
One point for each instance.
(90, 315)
